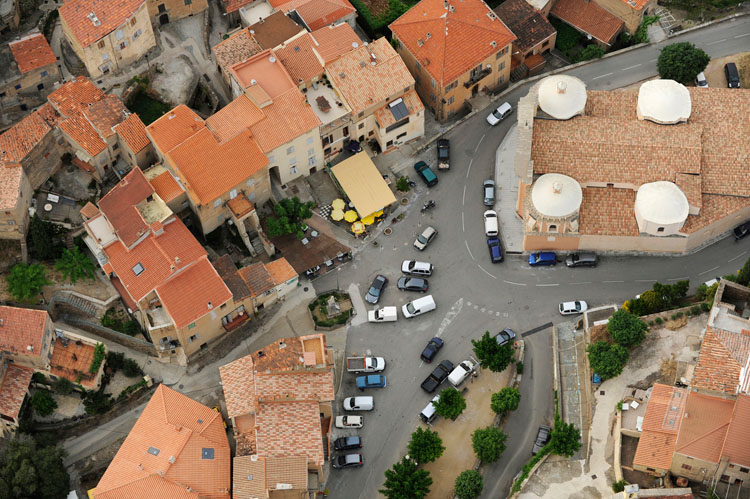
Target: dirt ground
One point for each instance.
(456, 435)
(715, 70)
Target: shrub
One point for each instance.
(38, 377)
(132, 388)
(403, 184)
(115, 360)
(425, 446)
(743, 277)
(43, 403)
(705, 307)
(131, 369)
(627, 329)
(619, 486)
(679, 314)
(659, 320)
(99, 354)
(488, 443)
(673, 317)
(607, 360)
(468, 485)
(651, 323)
(63, 386)
(530, 466)
(695, 310)
(450, 404)
(97, 402)
(592, 51)
(506, 400)
(566, 438)
(519, 367)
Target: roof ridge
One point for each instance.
(703, 435)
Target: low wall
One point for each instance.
(110, 334)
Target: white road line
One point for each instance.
(736, 257)
(463, 198)
(608, 282)
(479, 143)
(646, 280)
(653, 60)
(717, 41)
(709, 270)
(740, 36)
(462, 222)
(631, 67)
(678, 279)
(486, 272)
(545, 285)
(582, 282)
(602, 76)
(448, 318)
(514, 283)
(467, 249)
(469, 168)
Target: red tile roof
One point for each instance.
(177, 448)
(604, 211)
(74, 96)
(588, 17)
(316, 13)
(11, 175)
(13, 388)
(110, 14)
(175, 127)
(449, 38)
(89, 210)
(384, 116)
(722, 357)
(119, 206)
(105, 114)
(529, 25)
(737, 444)
(228, 272)
(704, 427)
(21, 328)
(661, 425)
(274, 30)
(18, 141)
(254, 476)
(133, 132)
(289, 429)
(286, 119)
(32, 52)
(280, 271)
(335, 41)
(299, 59)
(257, 278)
(234, 118)
(238, 47)
(166, 186)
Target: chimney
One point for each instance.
(557, 187)
(561, 87)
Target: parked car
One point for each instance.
(350, 422)
(488, 190)
(733, 76)
(347, 461)
(365, 364)
(385, 314)
(543, 436)
(582, 259)
(371, 381)
(376, 289)
(542, 258)
(359, 404)
(425, 237)
(490, 223)
(413, 284)
(499, 114)
(428, 414)
(431, 350)
(711, 282)
(505, 336)
(700, 80)
(741, 230)
(424, 171)
(573, 307)
(444, 154)
(496, 251)
(418, 307)
(417, 268)
(437, 376)
(347, 443)
(461, 372)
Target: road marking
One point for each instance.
(740, 36)
(608, 282)
(631, 67)
(678, 279)
(646, 280)
(486, 272)
(709, 270)
(545, 285)
(582, 282)
(467, 249)
(450, 315)
(536, 330)
(717, 41)
(736, 257)
(479, 143)
(463, 198)
(462, 222)
(514, 283)
(469, 168)
(653, 60)
(602, 76)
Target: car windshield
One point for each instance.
(578, 306)
(410, 307)
(373, 291)
(422, 239)
(412, 264)
(443, 152)
(496, 114)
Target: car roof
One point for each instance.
(490, 213)
(504, 106)
(488, 182)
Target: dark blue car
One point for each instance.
(431, 350)
(542, 258)
(496, 251)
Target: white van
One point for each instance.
(490, 223)
(418, 306)
(359, 404)
(385, 314)
(428, 414)
(460, 373)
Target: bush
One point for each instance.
(402, 184)
(627, 329)
(43, 403)
(99, 354)
(450, 404)
(97, 402)
(38, 377)
(63, 386)
(488, 443)
(695, 310)
(619, 486)
(115, 360)
(681, 62)
(519, 367)
(425, 446)
(673, 317)
(705, 307)
(607, 360)
(592, 51)
(530, 466)
(132, 388)
(659, 320)
(743, 277)
(506, 400)
(131, 369)
(679, 314)
(468, 485)
(566, 438)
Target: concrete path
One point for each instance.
(506, 194)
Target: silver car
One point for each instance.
(488, 187)
(425, 237)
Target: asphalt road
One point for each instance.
(474, 295)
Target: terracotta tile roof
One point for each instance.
(234, 118)
(289, 429)
(166, 186)
(119, 206)
(335, 41)
(639, 4)
(238, 47)
(177, 448)
(690, 185)
(21, 328)
(238, 382)
(233, 5)
(83, 134)
(15, 384)
(253, 476)
(111, 14)
(588, 17)
(527, 23)
(240, 205)
(228, 272)
(299, 58)
(608, 212)
(722, 357)
(105, 114)
(83, 165)
(32, 52)
(175, 127)
(316, 13)
(460, 37)
(362, 84)
(18, 141)
(74, 96)
(385, 117)
(286, 119)
(737, 444)
(262, 71)
(714, 208)
(275, 30)
(704, 427)
(133, 132)
(281, 271)
(10, 185)
(89, 210)
(193, 293)
(257, 278)
(660, 427)
(296, 386)
(72, 362)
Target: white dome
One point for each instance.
(556, 195)
(664, 101)
(662, 203)
(562, 96)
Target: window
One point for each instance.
(11, 222)
(123, 45)
(451, 86)
(105, 57)
(290, 150)
(401, 135)
(450, 100)
(162, 8)
(346, 131)
(362, 113)
(115, 147)
(233, 194)
(660, 229)
(326, 140)
(498, 55)
(419, 67)
(270, 160)
(311, 152)
(100, 44)
(138, 268)
(17, 87)
(293, 170)
(309, 141)
(433, 83)
(24, 107)
(194, 337)
(251, 197)
(119, 34)
(44, 73)
(191, 326)
(217, 203)
(546, 42)
(505, 50)
(501, 66)
(137, 34)
(744, 470)
(360, 126)
(2, 94)
(650, 469)
(311, 161)
(293, 160)
(188, 2)
(500, 79)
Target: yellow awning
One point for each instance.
(338, 204)
(364, 185)
(337, 215)
(350, 216)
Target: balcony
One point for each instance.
(477, 76)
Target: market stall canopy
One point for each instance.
(338, 204)
(358, 227)
(337, 215)
(350, 216)
(363, 183)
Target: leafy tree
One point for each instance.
(97, 402)
(25, 282)
(627, 329)
(566, 438)
(607, 360)
(681, 62)
(115, 360)
(744, 276)
(671, 294)
(592, 51)
(289, 216)
(469, 484)
(75, 265)
(29, 470)
(402, 184)
(425, 446)
(43, 403)
(490, 354)
(706, 293)
(505, 400)
(406, 481)
(650, 302)
(43, 239)
(450, 404)
(488, 443)
(63, 386)
(131, 369)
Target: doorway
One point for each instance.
(164, 19)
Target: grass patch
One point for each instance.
(148, 108)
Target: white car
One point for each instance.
(359, 404)
(346, 422)
(700, 80)
(499, 114)
(385, 314)
(490, 223)
(573, 307)
(425, 237)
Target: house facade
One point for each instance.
(164, 11)
(15, 199)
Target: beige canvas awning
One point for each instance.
(364, 185)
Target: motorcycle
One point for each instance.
(429, 204)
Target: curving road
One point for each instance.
(474, 295)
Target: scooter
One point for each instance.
(429, 204)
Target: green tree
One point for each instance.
(468, 485)
(505, 400)
(25, 282)
(131, 369)
(491, 355)
(627, 329)
(75, 265)
(566, 439)
(29, 470)
(97, 402)
(43, 403)
(650, 302)
(744, 276)
(488, 443)
(406, 481)
(450, 404)
(681, 62)
(43, 239)
(592, 51)
(290, 214)
(607, 360)
(425, 446)
(63, 386)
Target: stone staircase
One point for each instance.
(69, 244)
(519, 73)
(74, 301)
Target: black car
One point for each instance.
(431, 350)
(496, 250)
(413, 284)
(733, 76)
(347, 461)
(437, 376)
(583, 259)
(505, 336)
(741, 230)
(542, 437)
(376, 289)
(347, 443)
